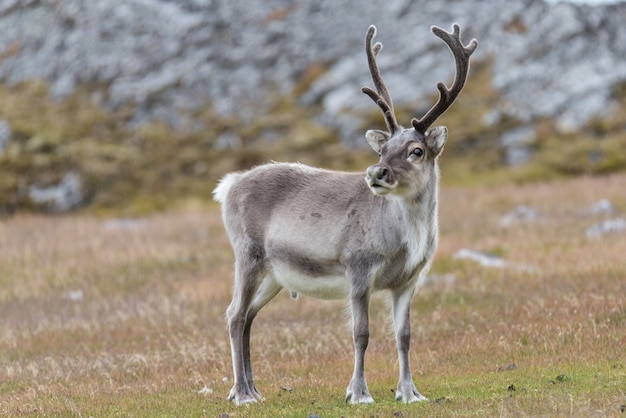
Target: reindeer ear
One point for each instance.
(436, 138)
(377, 138)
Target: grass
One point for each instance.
(110, 317)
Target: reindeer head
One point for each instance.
(408, 156)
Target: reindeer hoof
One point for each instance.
(359, 399)
(256, 393)
(241, 397)
(410, 396)
(358, 393)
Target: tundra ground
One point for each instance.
(125, 317)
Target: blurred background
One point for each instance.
(135, 106)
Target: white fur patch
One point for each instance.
(221, 191)
(322, 287)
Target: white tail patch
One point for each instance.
(221, 191)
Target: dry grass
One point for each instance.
(105, 317)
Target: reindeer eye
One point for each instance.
(418, 152)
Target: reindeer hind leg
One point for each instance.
(248, 271)
(266, 292)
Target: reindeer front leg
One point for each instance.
(357, 389)
(406, 391)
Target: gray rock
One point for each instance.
(66, 195)
(563, 64)
(608, 227)
(446, 279)
(517, 144)
(170, 58)
(488, 260)
(123, 224)
(5, 135)
(227, 140)
(75, 295)
(205, 390)
(519, 215)
(602, 207)
(482, 258)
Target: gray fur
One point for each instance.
(331, 235)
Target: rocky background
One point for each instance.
(105, 103)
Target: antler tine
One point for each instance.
(447, 96)
(381, 96)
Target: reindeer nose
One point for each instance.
(380, 173)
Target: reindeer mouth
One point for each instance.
(378, 187)
(380, 190)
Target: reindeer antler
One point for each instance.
(381, 96)
(448, 95)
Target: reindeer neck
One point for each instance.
(424, 205)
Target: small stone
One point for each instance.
(520, 214)
(510, 367)
(75, 295)
(66, 195)
(602, 207)
(482, 258)
(205, 391)
(5, 134)
(517, 144)
(608, 227)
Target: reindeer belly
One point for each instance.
(301, 264)
(321, 287)
(323, 279)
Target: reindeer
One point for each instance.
(331, 235)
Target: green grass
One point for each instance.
(573, 389)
